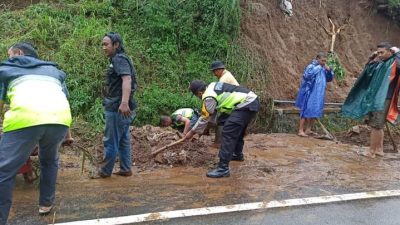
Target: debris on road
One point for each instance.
(147, 139)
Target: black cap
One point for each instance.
(217, 65)
(196, 85)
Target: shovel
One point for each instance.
(328, 135)
(168, 146)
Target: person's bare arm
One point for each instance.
(186, 121)
(126, 91)
(68, 140)
(208, 111)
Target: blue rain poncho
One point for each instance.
(311, 97)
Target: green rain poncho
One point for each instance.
(370, 90)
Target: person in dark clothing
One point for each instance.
(240, 104)
(119, 105)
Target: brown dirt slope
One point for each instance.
(289, 45)
(17, 4)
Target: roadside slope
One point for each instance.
(289, 45)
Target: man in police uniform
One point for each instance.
(240, 103)
(39, 114)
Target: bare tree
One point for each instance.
(335, 30)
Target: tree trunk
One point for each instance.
(333, 42)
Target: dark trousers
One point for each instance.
(16, 147)
(233, 133)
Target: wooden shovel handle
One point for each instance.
(165, 147)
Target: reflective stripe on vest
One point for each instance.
(229, 97)
(184, 112)
(36, 100)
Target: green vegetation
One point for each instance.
(394, 3)
(170, 41)
(333, 61)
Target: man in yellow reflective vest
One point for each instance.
(182, 119)
(240, 104)
(39, 114)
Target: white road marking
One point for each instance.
(235, 208)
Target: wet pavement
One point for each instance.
(276, 167)
(366, 212)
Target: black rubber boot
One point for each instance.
(221, 171)
(239, 158)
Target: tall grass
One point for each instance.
(171, 43)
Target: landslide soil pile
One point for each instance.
(288, 45)
(148, 139)
(145, 140)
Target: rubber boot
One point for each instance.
(221, 171)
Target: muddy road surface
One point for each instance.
(276, 167)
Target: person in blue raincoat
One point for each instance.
(311, 96)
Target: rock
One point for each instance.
(160, 159)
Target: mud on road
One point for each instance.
(276, 166)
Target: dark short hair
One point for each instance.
(26, 48)
(321, 55)
(116, 38)
(197, 85)
(163, 119)
(385, 45)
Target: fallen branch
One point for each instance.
(334, 31)
(85, 154)
(328, 135)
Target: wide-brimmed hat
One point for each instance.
(217, 65)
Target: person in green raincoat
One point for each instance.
(375, 94)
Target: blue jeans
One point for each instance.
(117, 141)
(15, 148)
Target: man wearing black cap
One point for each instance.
(240, 104)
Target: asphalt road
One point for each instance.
(365, 212)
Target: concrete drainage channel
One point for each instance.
(286, 118)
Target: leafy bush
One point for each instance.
(394, 3)
(334, 63)
(171, 43)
